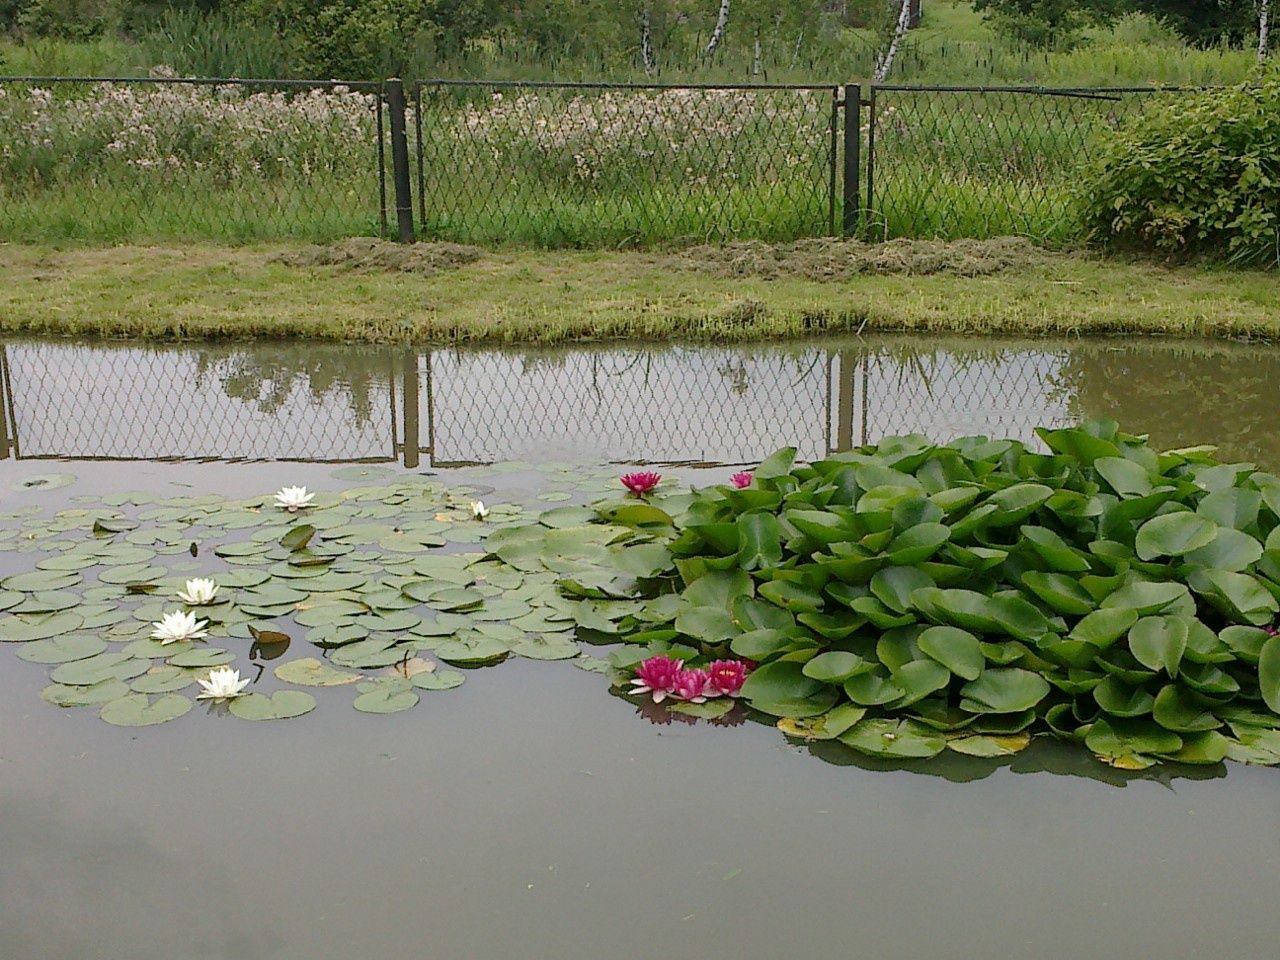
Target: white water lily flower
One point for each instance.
(294, 499)
(178, 625)
(198, 592)
(478, 510)
(223, 684)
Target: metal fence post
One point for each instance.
(871, 152)
(400, 160)
(852, 157)
(6, 407)
(412, 442)
(422, 175)
(835, 160)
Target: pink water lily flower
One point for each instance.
(741, 480)
(690, 685)
(657, 676)
(725, 678)
(641, 482)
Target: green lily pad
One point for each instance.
(162, 679)
(201, 657)
(437, 679)
(45, 481)
(310, 672)
(139, 710)
(886, 737)
(103, 666)
(64, 695)
(62, 649)
(40, 580)
(472, 650)
(385, 696)
(281, 705)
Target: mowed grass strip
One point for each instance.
(219, 292)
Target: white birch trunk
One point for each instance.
(1264, 27)
(899, 30)
(646, 41)
(757, 61)
(722, 21)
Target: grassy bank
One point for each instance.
(462, 295)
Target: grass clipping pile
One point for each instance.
(831, 259)
(369, 254)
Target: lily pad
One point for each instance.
(281, 705)
(139, 710)
(310, 672)
(162, 679)
(64, 695)
(45, 481)
(104, 666)
(385, 696)
(437, 680)
(64, 649)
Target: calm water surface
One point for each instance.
(529, 814)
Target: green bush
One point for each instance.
(66, 19)
(1200, 174)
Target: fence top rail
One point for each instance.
(602, 85)
(1060, 91)
(365, 85)
(375, 85)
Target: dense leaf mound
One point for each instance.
(911, 597)
(1196, 174)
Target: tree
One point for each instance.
(885, 63)
(1048, 23)
(717, 33)
(1205, 22)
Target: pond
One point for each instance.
(529, 812)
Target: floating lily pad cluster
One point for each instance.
(371, 585)
(910, 597)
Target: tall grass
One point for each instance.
(108, 162)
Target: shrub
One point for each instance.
(66, 19)
(1199, 174)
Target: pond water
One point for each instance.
(529, 813)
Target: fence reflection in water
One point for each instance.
(452, 407)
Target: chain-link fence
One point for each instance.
(555, 164)
(986, 161)
(328, 403)
(171, 159)
(684, 404)
(945, 394)
(543, 164)
(140, 403)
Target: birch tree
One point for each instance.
(646, 40)
(885, 63)
(1264, 27)
(717, 34)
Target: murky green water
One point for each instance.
(529, 813)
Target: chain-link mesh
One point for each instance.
(168, 159)
(584, 165)
(601, 404)
(138, 403)
(943, 395)
(677, 405)
(986, 162)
